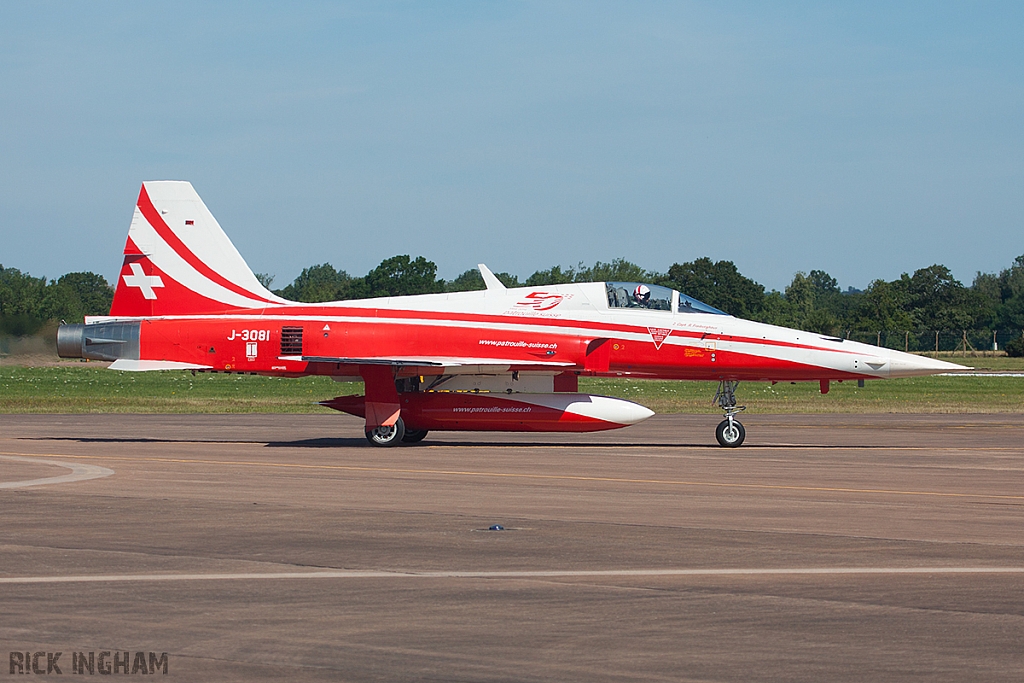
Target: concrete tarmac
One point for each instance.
(281, 547)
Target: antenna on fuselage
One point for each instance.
(490, 279)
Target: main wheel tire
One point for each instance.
(414, 435)
(730, 435)
(386, 436)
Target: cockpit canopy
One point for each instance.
(653, 297)
(638, 295)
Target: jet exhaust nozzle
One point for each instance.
(100, 341)
(70, 340)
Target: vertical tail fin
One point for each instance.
(177, 259)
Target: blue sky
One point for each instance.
(864, 139)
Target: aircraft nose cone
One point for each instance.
(909, 365)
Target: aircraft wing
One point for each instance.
(499, 364)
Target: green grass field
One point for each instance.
(89, 388)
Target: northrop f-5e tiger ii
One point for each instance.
(498, 359)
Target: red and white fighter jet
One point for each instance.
(497, 359)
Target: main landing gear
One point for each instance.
(730, 432)
(387, 435)
(394, 435)
(414, 435)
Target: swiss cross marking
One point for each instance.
(144, 282)
(659, 335)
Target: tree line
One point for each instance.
(929, 299)
(27, 303)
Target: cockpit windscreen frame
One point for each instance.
(643, 296)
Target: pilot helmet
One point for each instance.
(642, 294)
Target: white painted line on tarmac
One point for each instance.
(560, 477)
(541, 574)
(79, 472)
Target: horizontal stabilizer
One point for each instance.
(130, 365)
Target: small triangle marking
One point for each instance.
(659, 335)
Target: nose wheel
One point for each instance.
(730, 433)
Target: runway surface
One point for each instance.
(281, 547)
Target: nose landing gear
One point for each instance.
(730, 432)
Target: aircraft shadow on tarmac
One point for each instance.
(334, 443)
(342, 442)
(303, 443)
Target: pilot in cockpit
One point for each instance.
(642, 296)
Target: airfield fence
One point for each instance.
(966, 342)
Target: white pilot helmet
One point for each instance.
(642, 294)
